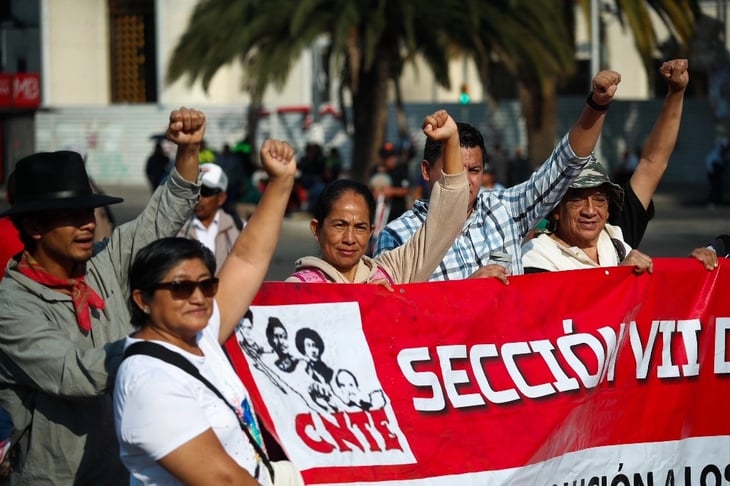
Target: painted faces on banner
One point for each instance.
(317, 378)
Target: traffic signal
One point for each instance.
(464, 97)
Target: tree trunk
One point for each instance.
(539, 112)
(400, 112)
(252, 124)
(369, 113)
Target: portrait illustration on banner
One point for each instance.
(316, 375)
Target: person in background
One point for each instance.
(519, 167)
(233, 168)
(343, 224)
(497, 221)
(489, 181)
(394, 188)
(715, 164)
(210, 224)
(172, 428)
(64, 313)
(157, 166)
(500, 163)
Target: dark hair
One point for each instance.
(273, 323)
(334, 191)
(17, 219)
(339, 372)
(307, 333)
(469, 137)
(152, 263)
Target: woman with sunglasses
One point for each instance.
(344, 216)
(172, 427)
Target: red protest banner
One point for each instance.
(592, 375)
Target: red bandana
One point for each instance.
(82, 295)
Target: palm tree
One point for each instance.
(678, 16)
(370, 42)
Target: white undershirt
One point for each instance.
(207, 235)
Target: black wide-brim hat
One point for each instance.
(53, 180)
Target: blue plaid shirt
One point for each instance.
(500, 218)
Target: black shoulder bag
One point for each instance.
(162, 353)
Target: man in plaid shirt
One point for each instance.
(499, 220)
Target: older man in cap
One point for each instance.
(63, 309)
(579, 235)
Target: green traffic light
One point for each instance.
(464, 98)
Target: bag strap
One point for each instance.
(160, 352)
(620, 249)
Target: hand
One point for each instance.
(277, 158)
(492, 270)
(187, 126)
(440, 126)
(706, 256)
(605, 84)
(676, 73)
(383, 282)
(641, 262)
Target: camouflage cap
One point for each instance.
(595, 175)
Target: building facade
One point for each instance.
(99, 72)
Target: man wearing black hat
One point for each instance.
(63, 309)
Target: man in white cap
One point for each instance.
(210, 224)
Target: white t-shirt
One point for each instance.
(158, 407)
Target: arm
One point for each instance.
(247, 264)
(203, 460)
(659, 145)
(584, 134)
(170, 205)
(417, 258)
(531, 200)
(158, 415)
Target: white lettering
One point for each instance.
(454, 377)
(406, 358)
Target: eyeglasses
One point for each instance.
(575, 201)
(183, 289)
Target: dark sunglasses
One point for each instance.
(183, 289)
(206, 191)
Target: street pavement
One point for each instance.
(682, 222)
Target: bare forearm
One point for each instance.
(663, 137)
(584, 134)
(245, 267)
(186, 161)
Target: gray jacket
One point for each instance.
(56, 381)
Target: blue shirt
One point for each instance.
(499, 220)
